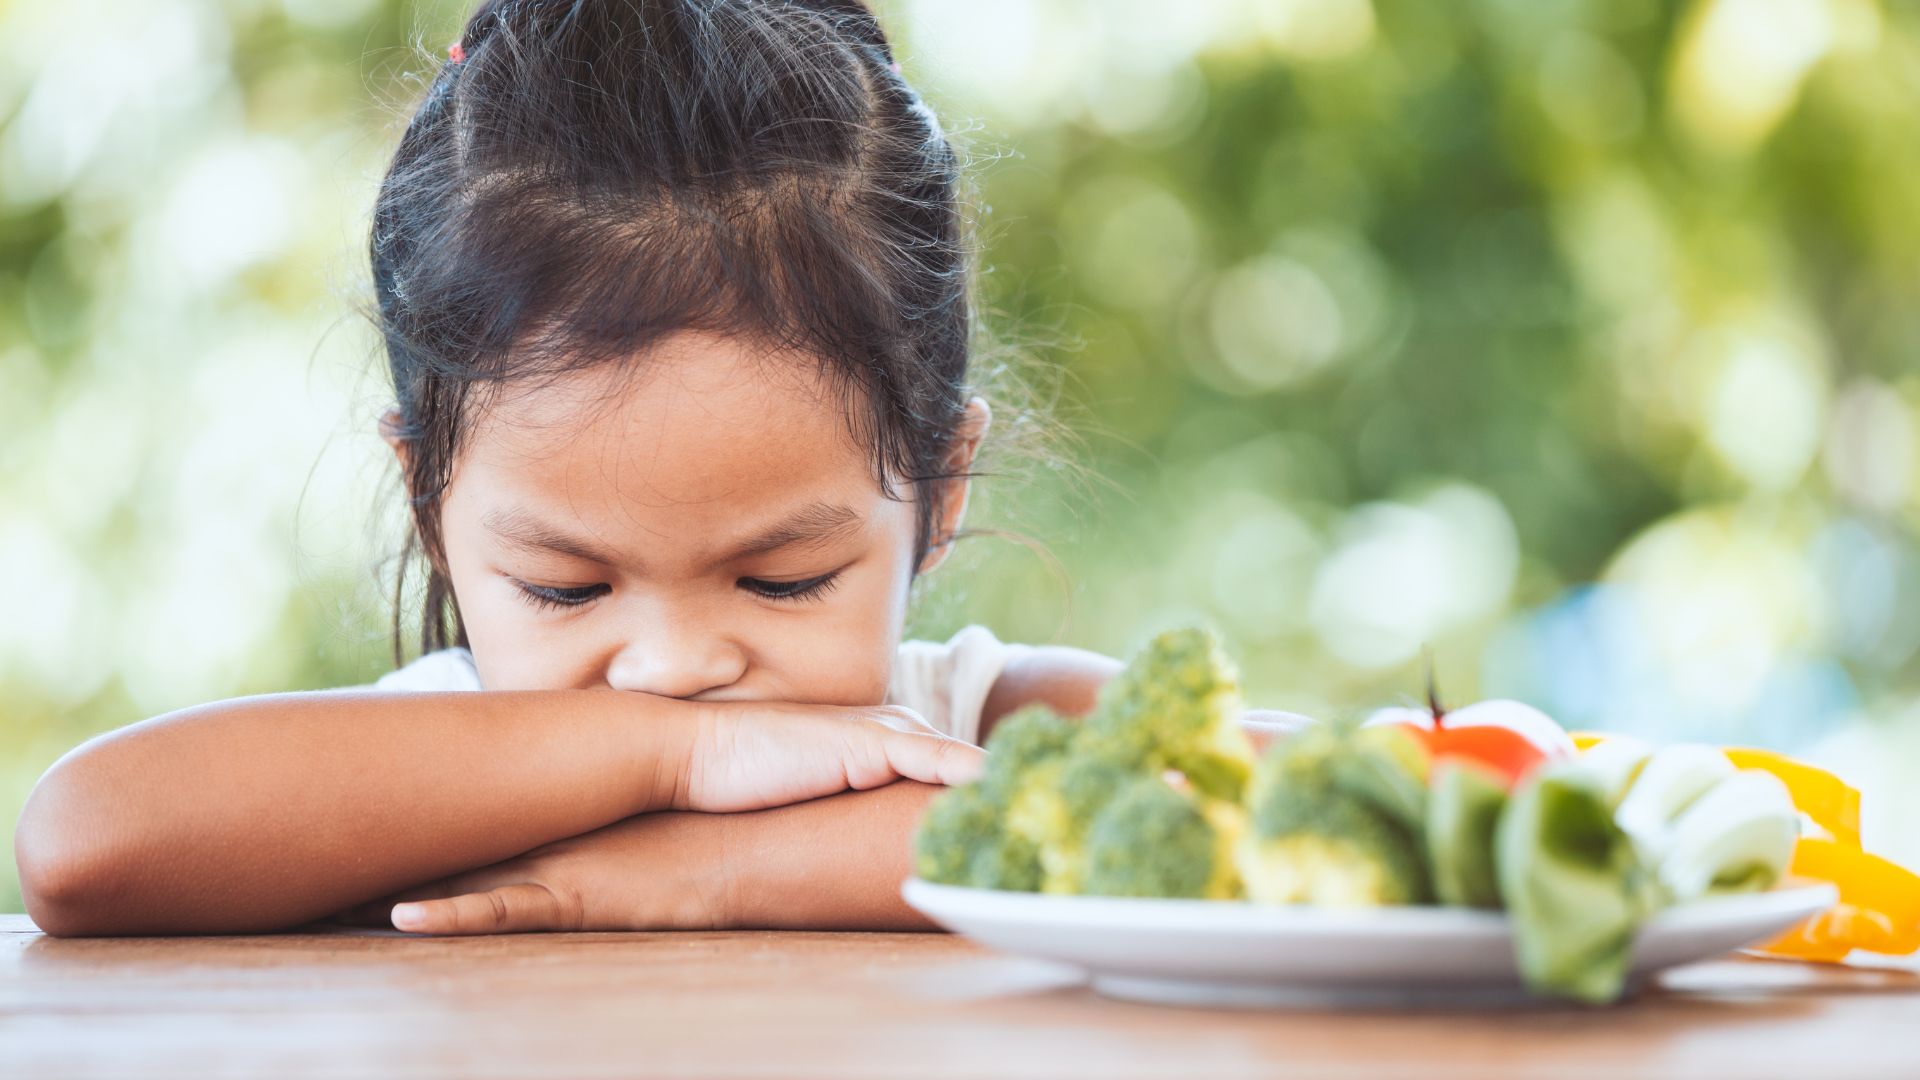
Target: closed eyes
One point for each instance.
(547, 597)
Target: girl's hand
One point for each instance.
(826, 864)
(660, 871)
(751, 755)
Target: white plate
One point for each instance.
(1209, 952)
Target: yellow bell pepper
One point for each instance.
(1879, 908)
(1817, 793)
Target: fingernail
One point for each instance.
(408, 916)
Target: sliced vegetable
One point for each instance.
(1617, 762)
(1669, 782)
(1463, 813)
(1879, 908)
(1738, 837)
(1572, 882)
(1819, 794)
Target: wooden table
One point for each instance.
(381, 1004)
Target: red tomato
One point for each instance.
(1507, 737)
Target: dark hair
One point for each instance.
(586, 177)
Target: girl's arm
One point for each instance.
(834, 863)
(1066, 678)
(261, 813)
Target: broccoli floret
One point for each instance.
(1054, 806)
(1331, 823)
(1386, 768)
(1151, 840)
(1381, 767)
(962, 841)
(1022, 740)
(1331, 850)
(1175, 706)
(1010, 863)
(961, 822)
(1025, 759)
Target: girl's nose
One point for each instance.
(676, 659)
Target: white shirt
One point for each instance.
(945, 682)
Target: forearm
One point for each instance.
(260, 813)
(835, 863)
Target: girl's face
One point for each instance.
(707, 529)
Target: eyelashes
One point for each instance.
(541, 596)
(809, 589)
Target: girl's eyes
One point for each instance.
(542, 596)
(809, 589)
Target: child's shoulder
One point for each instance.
(947, 682)
(445, 669)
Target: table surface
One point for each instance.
(372, 1003)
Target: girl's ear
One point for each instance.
(953, 494)
(390, 431)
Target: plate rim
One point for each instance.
(1236, 917)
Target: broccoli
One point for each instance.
(1053, 808)
(1331, 823)
(1331, 850)
(1010, 862)
(962, 841)
(1151, 840)
(1175, 706)
(1022, 740)
(961, 822)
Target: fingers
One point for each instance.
(933, 759)
(901, 718)
(916, 750)
(374, 913)
(508, 909)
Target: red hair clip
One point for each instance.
(456, 53)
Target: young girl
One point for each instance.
(674, 297)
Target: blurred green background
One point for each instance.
(1576, 339)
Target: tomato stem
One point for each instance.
(1433, 690)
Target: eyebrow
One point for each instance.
(814, 525)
